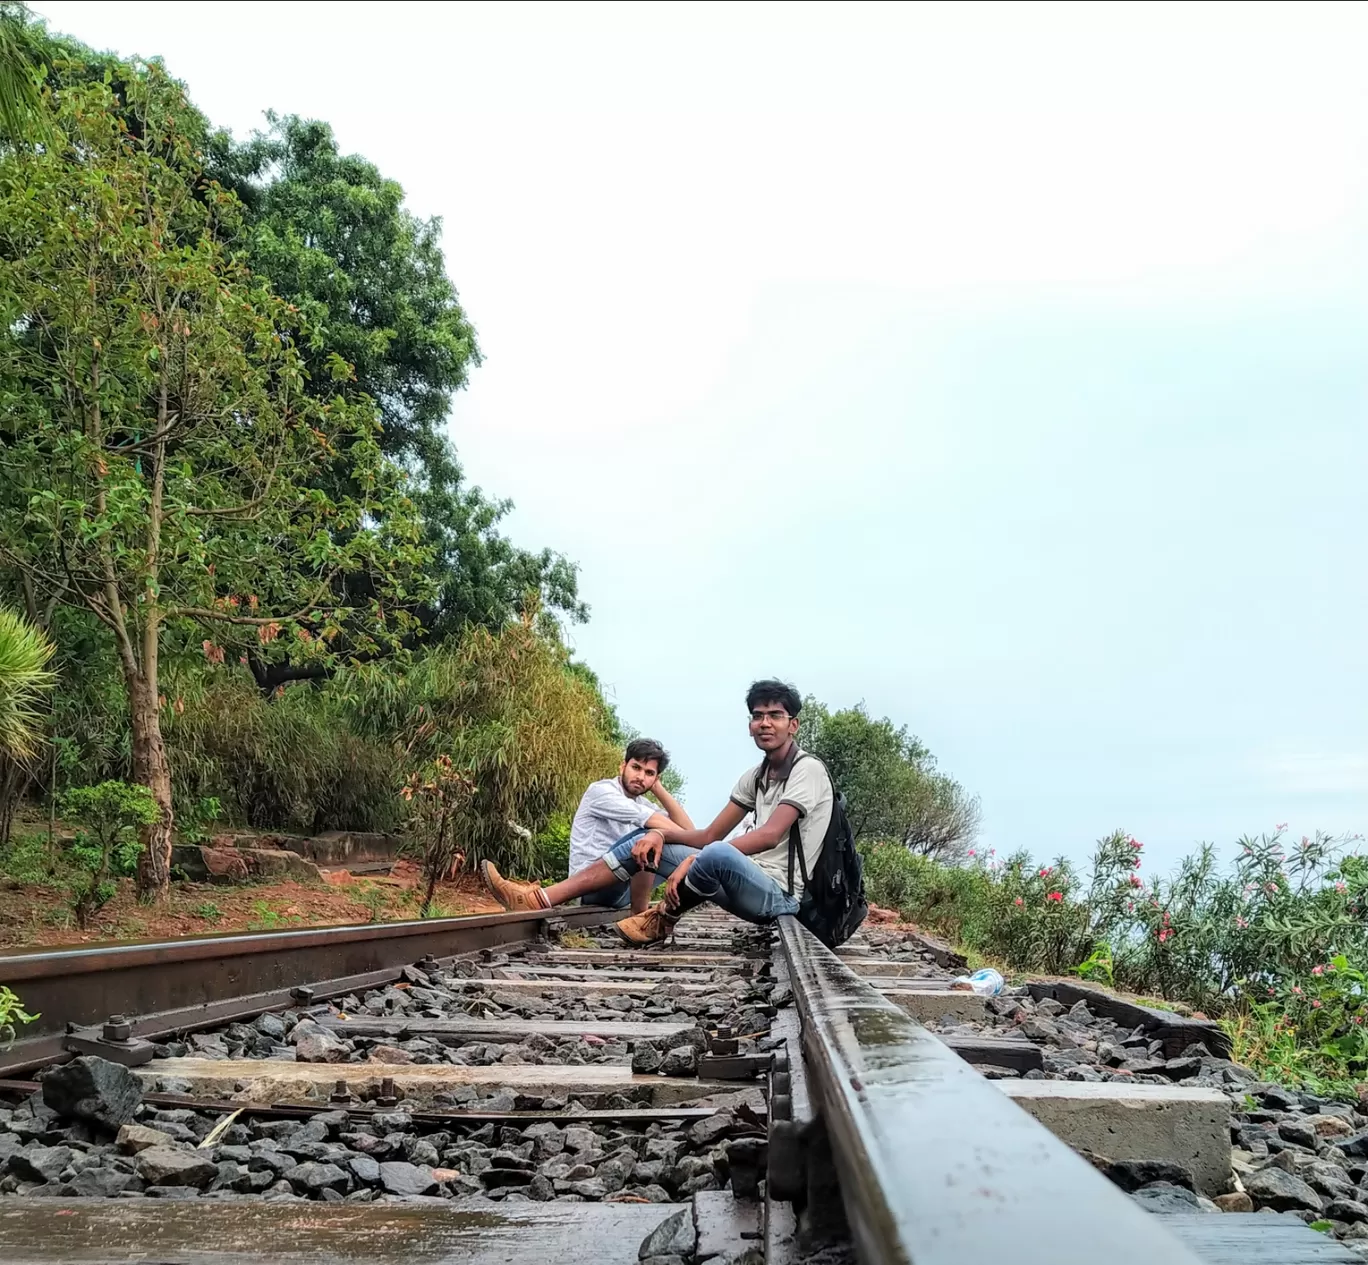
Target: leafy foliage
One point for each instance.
(22, 47)
(107, 845)
(515, 718)
(1275, 943)
(889, 778)
(368, 281)
(12, 1013)
(290, 763)
(436, 794)
(24, 680)
(159, 445)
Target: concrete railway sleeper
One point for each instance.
(743, 1095)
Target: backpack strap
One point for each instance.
(795, 838)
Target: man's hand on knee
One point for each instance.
(672, 883)
(646, 851)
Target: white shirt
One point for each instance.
(804, 784)
(605, 813)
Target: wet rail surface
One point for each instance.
(538, 1091)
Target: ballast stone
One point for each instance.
(93, 1089)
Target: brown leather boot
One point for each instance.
(651, 927)
(511, 894)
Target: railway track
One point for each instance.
(520, 1087)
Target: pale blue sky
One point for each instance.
(1002, 366)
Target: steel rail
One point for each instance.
(171, 986)
(936, 1166)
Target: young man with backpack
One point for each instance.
(798, 858)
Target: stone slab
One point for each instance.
(1181, 1124)
(458, 1030)
(424, 1232)
(592, 976)
(626, 957)
(1021, 1056)
(274, 1080)
(714, 961)
(1251, 1238)
(576, 988)
(928, 1005)
(726, 1226)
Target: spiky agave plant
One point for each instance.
(22, 42)
(24, 679)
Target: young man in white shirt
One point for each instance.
(612, 813)
(749, 876)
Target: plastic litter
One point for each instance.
(986, 983)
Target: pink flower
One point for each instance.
(972, 853)
(1136, 844)
(1241, 923)
(1316, 1005)
(1296, 988)
(1339, 887)
(1164, 934)
(1045, 872)
(1358, 1018)
(1055, 896)
(1318, 970)
(1136, 863)
(1270, 992)
(1136, 881)
(1282, 825)
(1019, 901)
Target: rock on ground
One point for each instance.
(94, 1089)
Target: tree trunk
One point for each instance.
(150, 769)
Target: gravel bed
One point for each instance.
(331, 1156)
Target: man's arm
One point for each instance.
(660, 830)
(673, 808)
(771, 834)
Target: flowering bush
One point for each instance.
(1275, 942)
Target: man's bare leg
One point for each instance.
(515, 895)
(643, 884)
(580, 883)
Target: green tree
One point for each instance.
(369, 279)
(158, 446)
(889, 778)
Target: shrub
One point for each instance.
(1276, 943)
(12, 1014)
(552, 850)
(27, 860)
(293, 762)
(436, 795)
(526, 729)
(107, 844)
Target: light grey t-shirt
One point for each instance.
(605, 813)
(802, 782)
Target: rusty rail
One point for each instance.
(172, 986)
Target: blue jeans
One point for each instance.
(728, 878)
(619, 895)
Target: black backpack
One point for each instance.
(833, 905)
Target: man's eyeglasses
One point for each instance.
(778, 715)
